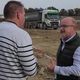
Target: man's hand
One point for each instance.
(51, 65)
(38, 52)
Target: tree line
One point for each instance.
(62, 12)
(70, 12)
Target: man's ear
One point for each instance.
(18, 15)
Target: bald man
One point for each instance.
(68, 55)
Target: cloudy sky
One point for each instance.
(60, 4)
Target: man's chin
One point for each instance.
(63, 36)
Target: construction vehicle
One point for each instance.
(43, 19)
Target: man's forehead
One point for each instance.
(67, 21)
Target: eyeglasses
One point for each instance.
(65, 26)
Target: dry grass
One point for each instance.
(47, 40)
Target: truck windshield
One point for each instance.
(52, 16)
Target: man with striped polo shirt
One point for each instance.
(16, 53)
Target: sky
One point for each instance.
(59, 4)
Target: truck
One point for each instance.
(43, 19)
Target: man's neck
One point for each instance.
(12, 21)
(66, 39)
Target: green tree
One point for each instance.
(71, 12)
(63, 12)
(52, 8)
(77, 11)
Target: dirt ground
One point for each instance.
(46, 43)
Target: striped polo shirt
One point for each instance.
(16, 53)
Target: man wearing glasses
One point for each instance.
(68, 55)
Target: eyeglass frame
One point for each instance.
(65, 26)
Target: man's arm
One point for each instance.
(26, 56)
(70, 70)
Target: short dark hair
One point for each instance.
(11, 7)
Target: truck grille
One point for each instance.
(54, 23)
